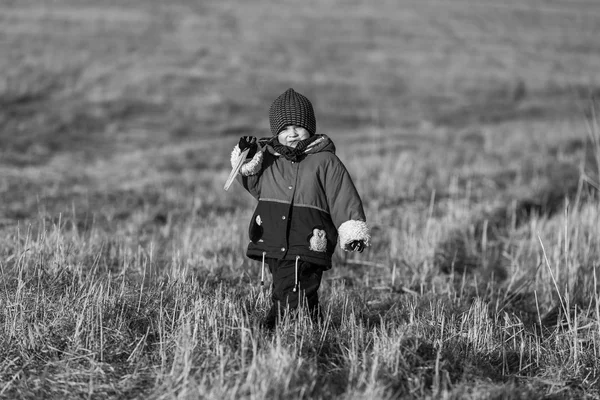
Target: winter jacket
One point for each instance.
(302, 206)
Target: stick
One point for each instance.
(236, 169)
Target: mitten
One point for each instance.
(248, 142)
(354, 235)
(356, 245)
(253, 159)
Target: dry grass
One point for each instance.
(466, 126)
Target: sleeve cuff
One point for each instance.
(353, 230)
(250, 167)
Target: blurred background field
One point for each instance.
(99, 98)
(467, 126)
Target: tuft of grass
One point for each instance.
(138, 330)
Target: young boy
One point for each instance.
(306, 201)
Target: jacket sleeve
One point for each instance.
(345, 205)
(251, 184)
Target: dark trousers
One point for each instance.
(284, 281)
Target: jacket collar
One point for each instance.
(320, 144)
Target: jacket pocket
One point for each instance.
(255, 230)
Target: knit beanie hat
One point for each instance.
(292, 108)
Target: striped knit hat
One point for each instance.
(292, 108)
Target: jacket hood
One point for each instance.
(321, 144)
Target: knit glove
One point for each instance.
(354, 235)
(248, 142)
(253, 160)
(356, 245)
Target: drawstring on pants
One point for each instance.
(262, 273)
(296, 274)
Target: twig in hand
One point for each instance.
(236, 169)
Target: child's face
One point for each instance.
(292, 134)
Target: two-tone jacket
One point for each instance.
(303, 207)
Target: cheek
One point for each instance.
(304, 135)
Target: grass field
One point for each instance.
(469, 128)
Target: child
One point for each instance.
(306, 200)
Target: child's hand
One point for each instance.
(248, 142)
(356, 245)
